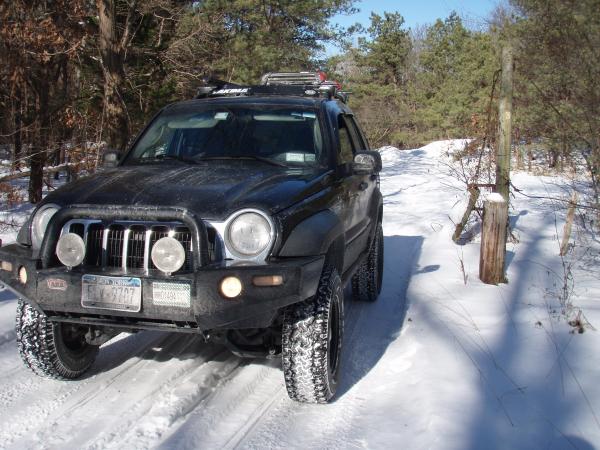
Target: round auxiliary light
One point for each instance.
(249, 234)
(168, 254)
(70, 250)
(231, 287)
(23, 275)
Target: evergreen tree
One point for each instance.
(559, 68)
(455, 78)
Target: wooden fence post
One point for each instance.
(493, 239)
(503, 150)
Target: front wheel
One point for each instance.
(312, 342)
(53, 350)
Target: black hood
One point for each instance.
(210, 190)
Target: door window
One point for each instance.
(346, 151)
(357, 136)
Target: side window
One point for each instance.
(357, 135)
(346, 150)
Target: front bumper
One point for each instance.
(57, 293)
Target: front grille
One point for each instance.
(127, 245)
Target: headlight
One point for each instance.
(168, 254)
(249, 234)
(40, 223)
(70, 250)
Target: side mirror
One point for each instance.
(110, 158)
(367, 162)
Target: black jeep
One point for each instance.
(239, 215)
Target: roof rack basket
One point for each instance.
(293, 78)
(304, 84)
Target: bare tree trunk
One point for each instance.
(17, 138)
(38, 152)
(113, 55)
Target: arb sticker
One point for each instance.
(57, 284)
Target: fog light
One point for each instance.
(268, 280)
(23, 275)
(6, 266)
(231, 287)
(70, 250)
(168, 254)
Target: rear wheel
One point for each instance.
(53, 350)
(312, 342)
(367, 281)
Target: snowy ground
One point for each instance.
(435, 363)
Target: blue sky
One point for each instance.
(420, 12)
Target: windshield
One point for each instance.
(279, 135)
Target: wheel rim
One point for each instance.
(334, 336)
(73, 339)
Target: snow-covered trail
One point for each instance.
(434, 363)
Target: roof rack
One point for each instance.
(293, 78)
(301, 84)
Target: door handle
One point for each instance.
(363, 185)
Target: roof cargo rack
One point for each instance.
(302, 84)
(293, 78)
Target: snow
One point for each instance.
(494, 197)
(439, 361)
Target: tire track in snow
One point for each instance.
(25, 383)
(77, 415)
(255, 421)
(233, 410)
(39, 404)
(155, 415)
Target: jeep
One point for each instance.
(239, 215)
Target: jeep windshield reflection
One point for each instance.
(274, 135)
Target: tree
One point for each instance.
(386, 53)
(454, 78)
(269, 35)
(559, 68)
(39, 40)
(112, 45)
(378, 74)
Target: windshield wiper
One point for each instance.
(168, 157)
(251, 157)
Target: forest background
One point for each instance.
(79, 76)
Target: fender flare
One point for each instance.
(313, 236)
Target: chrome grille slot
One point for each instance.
(128, 244)
(136, 247)
(114, 246)
(93, 256)
(183, 235)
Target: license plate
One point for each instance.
(114, 293)
(171, 294)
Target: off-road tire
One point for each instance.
(312, 342)
(46, 348)
(367, 281)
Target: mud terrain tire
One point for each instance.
(51, 349)
(312, 342)
(366, 282)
